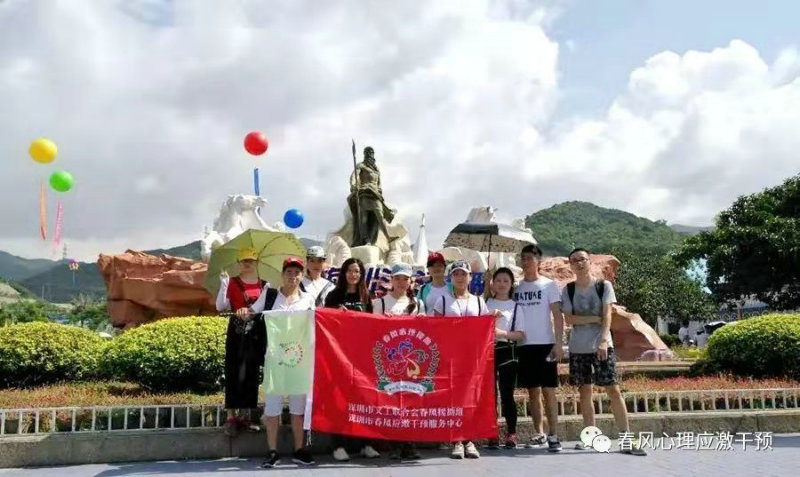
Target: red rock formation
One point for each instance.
(634, 339)
(144, 288)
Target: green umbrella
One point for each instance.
(272, 248)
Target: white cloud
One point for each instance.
(149, 101)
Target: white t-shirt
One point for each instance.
(506, 307)
(471, 306)
(534, 316)
(305, 302)
(395, 307)
(435, 295)
(318, 288)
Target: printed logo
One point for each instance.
(406, 360)
(291, 354)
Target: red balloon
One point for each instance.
(256, 143)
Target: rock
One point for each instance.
(144, 288)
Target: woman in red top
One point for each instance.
(246, 340)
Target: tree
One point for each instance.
(653, 285)
(24, 311)
(88, 313)
(754, 250)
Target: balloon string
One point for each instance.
(59, 225)
(42, 212)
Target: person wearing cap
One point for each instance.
(288, 297)
(400, 300)
(351, 293)
(432, 291)
(461, 303)
(245, 342)
(314, 283)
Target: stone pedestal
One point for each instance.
(368, 254)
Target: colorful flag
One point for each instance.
(59, 225)
(404, 378)
(290, 352)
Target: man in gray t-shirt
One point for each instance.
(586, 304)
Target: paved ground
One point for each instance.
(782, 460)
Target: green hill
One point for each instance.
(565, 226)
(13, 268)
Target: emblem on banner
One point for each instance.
(405, 360)
(291, 354)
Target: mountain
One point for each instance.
(689, 229)
(565, 226)
(15, 268)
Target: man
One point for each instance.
(432, 292)
(540, 313)
(314, 283)
(367, 206)
(587, 307)
(683, 333)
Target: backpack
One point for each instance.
(599, 286)
(383, 305)
(444, 302)
(240, 284)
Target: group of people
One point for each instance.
(530, 317)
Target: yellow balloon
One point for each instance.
(43, 150)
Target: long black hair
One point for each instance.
(510, 274)
(339, 292)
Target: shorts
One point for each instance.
(273, 405)
(586, 368)
(533, 370)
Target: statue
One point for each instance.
(237, 214)
(366, 202)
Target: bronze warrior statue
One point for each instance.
(369, 210)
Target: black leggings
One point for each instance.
(506, 381)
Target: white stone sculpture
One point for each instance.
(238, 214)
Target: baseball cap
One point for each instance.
(436, 257)
(401, 269)
(460, 265)
(315, 252)
(247, 254)
(293, 262)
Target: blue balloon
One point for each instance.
(293, 218)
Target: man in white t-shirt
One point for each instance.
(313, 282)
(541, 319)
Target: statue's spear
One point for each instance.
(356, 222)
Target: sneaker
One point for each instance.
(303, 457)
(493, 444)
(410, 453)
(470, 451)
(635, 450)
(581, 446)
(553, 444)
(340, 455)
(511, 441)
(370, 453)
(537, 441)
(458, 451)
(271, 460)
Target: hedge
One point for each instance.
(172, 354)
(765, 346)
(38, 353)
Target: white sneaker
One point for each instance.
(471, 451)
(370, 453)
(340, 455)
(458, 451)
(581, 446)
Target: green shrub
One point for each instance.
(42, 353)
(173, 354)
(670, 340)
(765, 346)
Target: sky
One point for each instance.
(668, 110)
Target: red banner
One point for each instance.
(402, 378)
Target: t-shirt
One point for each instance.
(351, 301)
(584, 338)
(435, 294)
(470, 306)
(395, 306)
(534, 316)
(237, 299)
(506, 308)
(305, 302)
(318, 288)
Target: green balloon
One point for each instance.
(61, 181)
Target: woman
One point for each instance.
(460, 304)
(437, 286)
(504, 307)
(400, 301)
(246, 340)
(350, 293)
(289, 297)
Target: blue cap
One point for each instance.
(402, 269)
